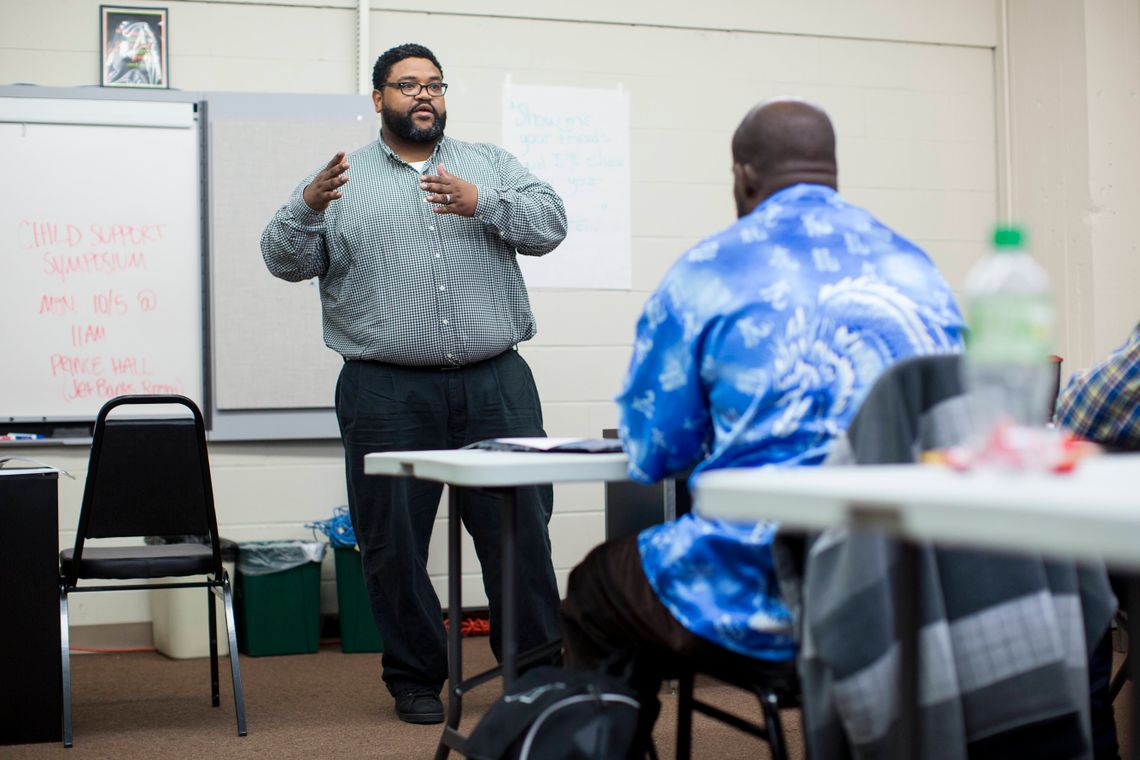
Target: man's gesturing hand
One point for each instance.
(325, 187)
(454, 195)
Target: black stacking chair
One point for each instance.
(149, 476)
(1121, 677)
(774, 684)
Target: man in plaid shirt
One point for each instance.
(1103, 403)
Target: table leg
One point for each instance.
(454, 624)
(907, 629)
(510, 613)
(1133, 607)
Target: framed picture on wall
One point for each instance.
(133, 44)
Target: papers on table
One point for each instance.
(551, 445)
(22, 466)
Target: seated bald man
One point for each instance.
(756, 350)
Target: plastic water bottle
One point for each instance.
(1009, 306)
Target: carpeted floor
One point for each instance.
(324, 705)
(306, 707)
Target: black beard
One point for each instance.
(403, 126)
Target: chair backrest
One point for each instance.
(889, 427)
(148, 476)
(849, 592)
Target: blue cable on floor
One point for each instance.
(338, 528)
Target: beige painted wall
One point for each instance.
(1074, 105)
(1113, 76)
(916, 90)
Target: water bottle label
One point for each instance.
(1010, 329)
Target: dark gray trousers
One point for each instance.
(385, 407)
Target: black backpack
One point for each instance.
(558, 714)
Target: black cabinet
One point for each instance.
(30, 671)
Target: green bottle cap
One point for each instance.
(1008, 237)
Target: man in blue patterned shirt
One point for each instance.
(422, 295)
(756, 350)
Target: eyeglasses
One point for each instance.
(412, 89)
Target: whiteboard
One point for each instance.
(577, 139)
(100, 235)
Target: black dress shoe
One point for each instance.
(419, 707)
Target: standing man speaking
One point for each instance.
(414, 239)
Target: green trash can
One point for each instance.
(277, 597)
(358, 631)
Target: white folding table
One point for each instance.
(1091, 513)
(501, 472)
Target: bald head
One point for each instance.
(778, 144)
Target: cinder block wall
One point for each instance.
(921, 94)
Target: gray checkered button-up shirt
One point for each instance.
(404, 285)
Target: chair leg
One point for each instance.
(1119, 679)
(235, 670)
(65, 662)
(770, 706)
(212, 620)
(685, 714)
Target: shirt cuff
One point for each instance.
(304, 215)
(487, 204)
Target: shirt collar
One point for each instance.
(393, 155)
(801, 191)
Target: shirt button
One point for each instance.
(438, 255)
(432, 228)
(445, 321)
(442, 287)
(450, 356)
